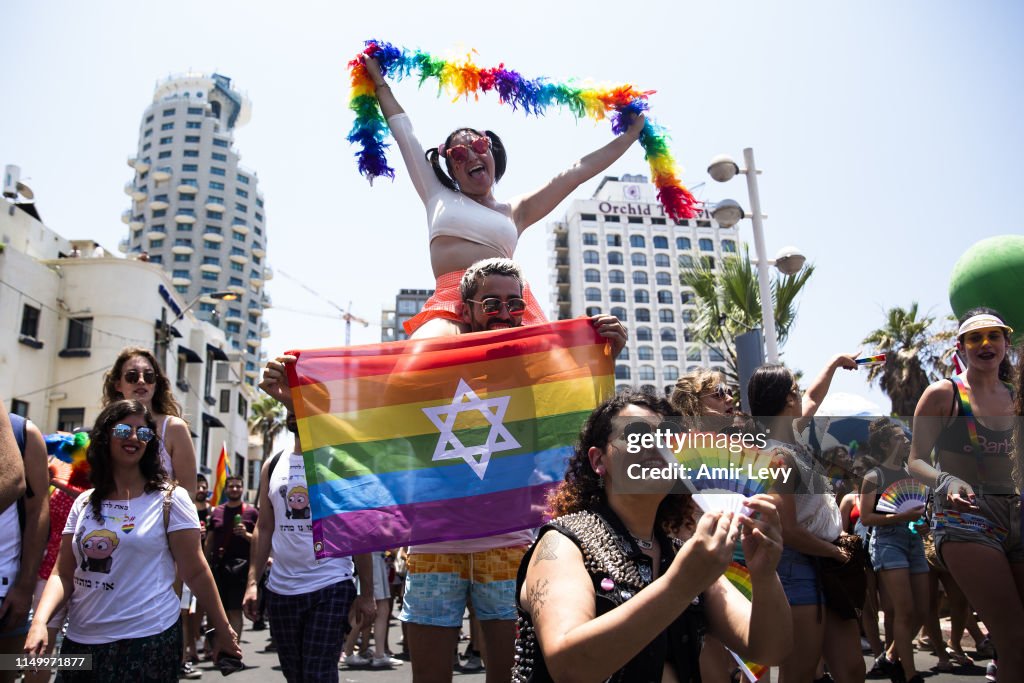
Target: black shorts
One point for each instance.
(230, 587)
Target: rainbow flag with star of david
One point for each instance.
(442, 439)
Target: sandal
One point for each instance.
(959, 658)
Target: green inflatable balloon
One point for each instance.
(991, 273)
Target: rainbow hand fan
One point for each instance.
(739, 576)
(721, 500)
(902, 495)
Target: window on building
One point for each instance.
(616, 276)
(620, 313)
(689, 316)
(214, 216)
(212, 277)
(156, 244)
(624, 353)
(613, 240)
(591, 275)
(687, 297)
(728, 247)
(683, 243)
(715, 355)
(639, 277)
(693, 353)
(218, 156)
(617, 295)
(662, 261)
(79, 333)
(644, 334)
(30, 321)
(662, 278)
(638, 259)
(664, 296)
(233, 328)
(238, 237)
(645, 352)
(591, 256)
(706, 244)
(621, 372)
(192, 153)
(666, 315)
(688, 335)
(192, 139)
(149, 119)
(707, 262)
(70, 419)
(615, 258)
(657, 221)
(237, 266)
(588, 216)
(593, 310)
(166, 140)
(179, 258)
(218, 142)
(668, 334)
(703, 223)
(259, 202)
(194, 124)
(19, 407)
(242, 178)
(637, 241)
(646, 372)
(147, 146)
(259, 216)
(210, 244)
(686, 261)
(634, 219)
(239, 206)
(235, 281)
(211, 260)
(643, 315)
(169, 112)
(238, 220)
(217, 170)
(642, 296)
(241, 193)
(149, 131)
(660, 242)
(592, 294)
(590, 238)
(670, 372)
(166, 154)
(189, 168)
(167, 126)
(612, 219)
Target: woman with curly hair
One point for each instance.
(605, 593)
(136, 375)
(117, 561)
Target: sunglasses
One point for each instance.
(132, 377)
(460, 153)
(721, 392)
(493, 306)
(143, 434)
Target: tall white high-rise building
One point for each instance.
(617, 252)
(197, 211)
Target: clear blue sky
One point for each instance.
(888, 132)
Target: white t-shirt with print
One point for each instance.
(124, 572)
(296, 569)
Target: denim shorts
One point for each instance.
(439, 585)
(896, 547)
(799, 576)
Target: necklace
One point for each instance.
(644, 543)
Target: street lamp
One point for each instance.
(206, 299)
(728, 213)
(163, 338)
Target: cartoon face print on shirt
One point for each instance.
(297, 503)
(97, 550)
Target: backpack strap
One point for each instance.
(168, 495)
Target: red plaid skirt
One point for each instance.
(447, 303)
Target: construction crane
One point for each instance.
(346, 314)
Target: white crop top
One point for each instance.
(451, 213)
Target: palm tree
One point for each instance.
(267, 418)
(916, 355)
(729, 303)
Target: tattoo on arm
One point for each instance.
(546, 549)
(536, 596)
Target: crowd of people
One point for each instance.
(627, 582)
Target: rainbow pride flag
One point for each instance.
(442, 439)
(220, 476)
(739, 576)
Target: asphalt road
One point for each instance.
(263, 666)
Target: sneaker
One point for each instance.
(188, 671)
(881, 668)
(990, 672)
(355, 661)
(385, 662)
(473, 663)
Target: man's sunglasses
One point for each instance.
(493, 306)
(132, 377)
(460, 153)
(143, 434)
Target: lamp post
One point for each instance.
(164, 336)
(728, 212)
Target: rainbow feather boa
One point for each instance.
(533, 96)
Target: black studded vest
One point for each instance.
(619, 570)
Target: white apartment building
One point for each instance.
(197, 212)
(617, 252)
(68, 307)
(408, 302)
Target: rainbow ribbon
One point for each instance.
(622, 103)
(871, 360)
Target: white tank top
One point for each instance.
(165, 457)
(296, 570)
